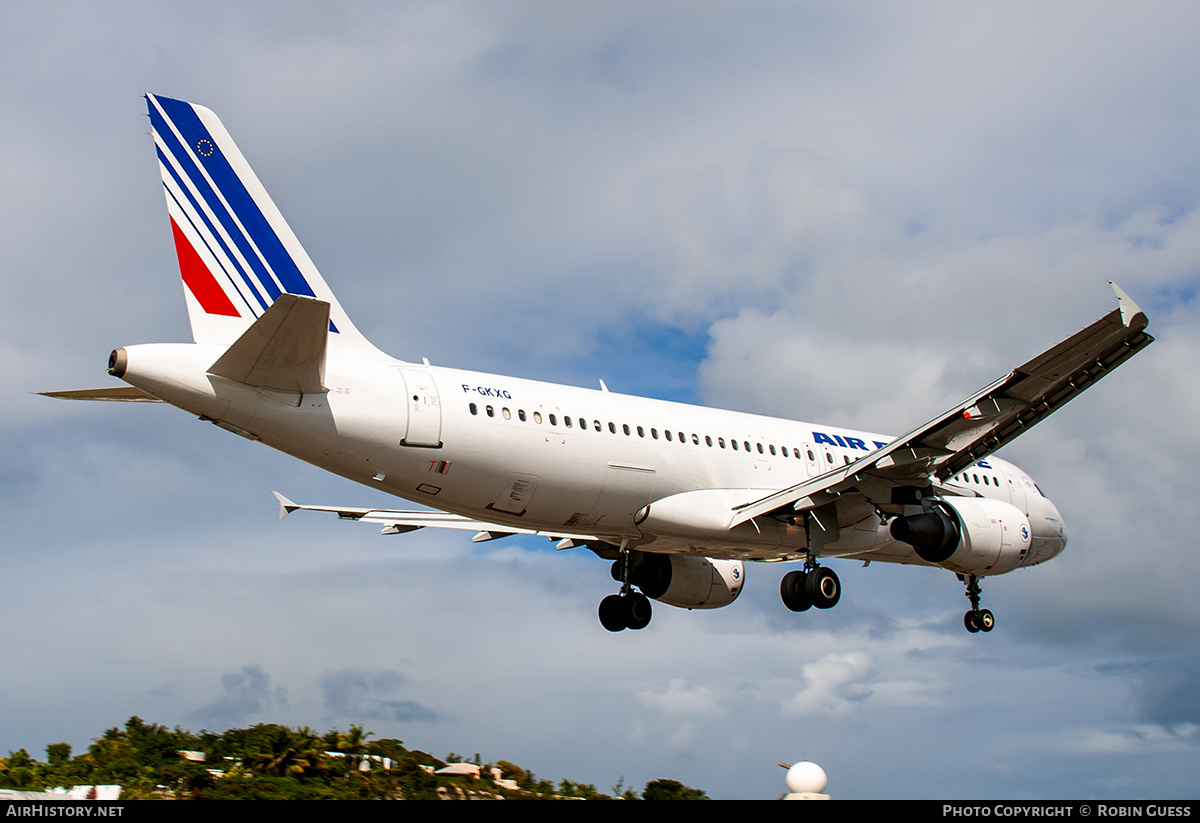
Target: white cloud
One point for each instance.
(833, 685)
(1135, 741)
(679, 698)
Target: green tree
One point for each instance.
(353, 743)
(281, 752)
(22, 771)
(58, 755)
(671, 790)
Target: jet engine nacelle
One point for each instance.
(968, 535)
(686, 581)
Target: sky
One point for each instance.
(848, 213)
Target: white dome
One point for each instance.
(806, 778)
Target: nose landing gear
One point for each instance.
(977, 619)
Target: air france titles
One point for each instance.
(846, 442)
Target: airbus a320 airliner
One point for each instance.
(679, 497)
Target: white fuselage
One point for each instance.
(559, 458)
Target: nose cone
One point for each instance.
(1049, 531)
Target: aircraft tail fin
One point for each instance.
(237, 254)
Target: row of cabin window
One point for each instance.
(966, 478)
(612, 427)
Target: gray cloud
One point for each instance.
(354, 693)
(246, 694)
(1168, 694)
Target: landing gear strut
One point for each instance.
(977, 619)
(815, 586)
(628, 609)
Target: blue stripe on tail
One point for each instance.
(254, 225)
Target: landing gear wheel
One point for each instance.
(625, 611)
(638, 611)
(612, 613)
(793, 592)
(977, 619)
(823, 587)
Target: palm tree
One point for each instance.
(283, 752)
(353, 743)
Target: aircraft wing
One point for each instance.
(399, 522)
(976, 427)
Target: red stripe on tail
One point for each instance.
(199, 279)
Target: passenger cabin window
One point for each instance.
(507, 414)
(474, 409)
(553, 420)
(521, 415)
(491, 412)
(537, 417)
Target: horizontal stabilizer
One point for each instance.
(283, 350)
(126, 394)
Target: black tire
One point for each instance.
(971, 621)
(613, 615)
(987, 621)
(638, 611)
(793, 592)
(823, 587)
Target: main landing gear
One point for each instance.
(977, 619)
(815, 586)
(628, 609)
(625, 611)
